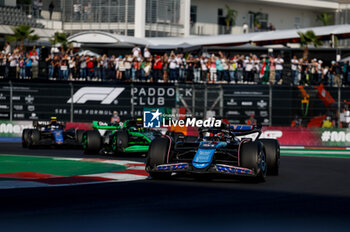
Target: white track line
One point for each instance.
(318, 152)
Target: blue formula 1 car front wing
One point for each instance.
(215, 168)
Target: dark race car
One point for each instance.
(130, 137)
(217, 151)
(51, 133)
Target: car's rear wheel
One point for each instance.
(120, 141)
(25, 135)
(91, 142)
(252, 156)
(79, 136)
(272, 148)
(157, 155)
(33, 138)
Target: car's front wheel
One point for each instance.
(272, 148)
(252, 156)
(33, 138)
(25, 136)
(158, 153)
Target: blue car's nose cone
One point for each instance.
(203, 157)
(205, 153)
(58, 135)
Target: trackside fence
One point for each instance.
(271, 105)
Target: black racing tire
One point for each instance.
(272, 151)
(157, 155)
(79, 136)
(91, 142)
(120, 141)
(33, 138)
(25, 135)
(252, 156)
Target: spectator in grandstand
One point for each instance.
(251, 120)
(337, 72)
(22, 68)
(90, 68)
(83, 68)
(13, 59)
(136, 51)
(271, 27)
(146, 53)
(115, 118)
(189, 69)
(319, 71)
(294, 70)
(77, 11)
(279, 69)
(2, 65)
(7, 48)
(35, 8)
(127, 64)
(172, 64)
(204, 69)
(88, 11)
(35, 62)
(197, 69)
(297, 122)
(49, 66)
(28, 66)
(40, 7)
(165, 69)
(157, 69)
(181, 63)
(120, 68)
(51, 8)
(219, 69)
(110, 71)
(327, 123)
(212, 68)
(64, 69)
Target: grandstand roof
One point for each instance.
(260, 38)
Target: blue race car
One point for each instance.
(51, 133)
(222, 151)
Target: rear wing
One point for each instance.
(105, 125)
(241, 130)
(40, 124)
(233, 130)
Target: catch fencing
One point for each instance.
(83, 102)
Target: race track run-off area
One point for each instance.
(57, 190)
(18, 171)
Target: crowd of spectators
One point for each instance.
(142, 66)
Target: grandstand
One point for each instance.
(14, 16)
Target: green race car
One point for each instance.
(115, 138)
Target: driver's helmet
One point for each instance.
(53, 120)
(220, 135)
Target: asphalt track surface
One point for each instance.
(311, 194)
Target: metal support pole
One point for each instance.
(132, 101)
(71, 103)
(11, 100)
(270, 105)
(177, 98)
(126, 16)
(193, 101)
(339, 105)
(205, 100)
(221, 102)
